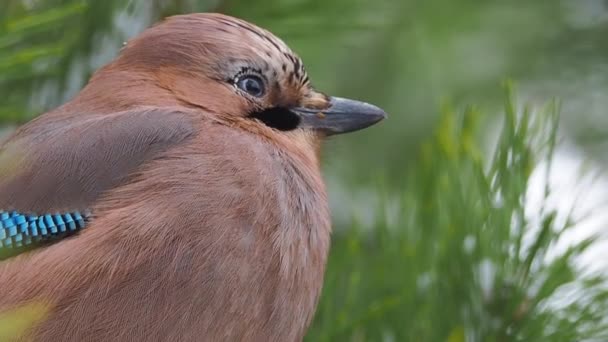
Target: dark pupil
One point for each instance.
(252, 85)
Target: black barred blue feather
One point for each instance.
(22, 230)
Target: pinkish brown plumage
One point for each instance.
(197, 150)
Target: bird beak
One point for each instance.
(342, 116)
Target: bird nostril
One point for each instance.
(278, 118)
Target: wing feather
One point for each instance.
(52, 166)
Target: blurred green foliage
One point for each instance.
(16, 322)
(38, 44)
(454, 256)
(447, 254)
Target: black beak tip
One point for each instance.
(380, 115)
(365, 114)
(373, 117)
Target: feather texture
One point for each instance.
(56, 164)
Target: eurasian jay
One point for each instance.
(178, 196)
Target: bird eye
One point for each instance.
(252, 85)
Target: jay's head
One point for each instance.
(241, 73)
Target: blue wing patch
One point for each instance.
(22, 230)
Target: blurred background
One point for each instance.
(398, 272)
